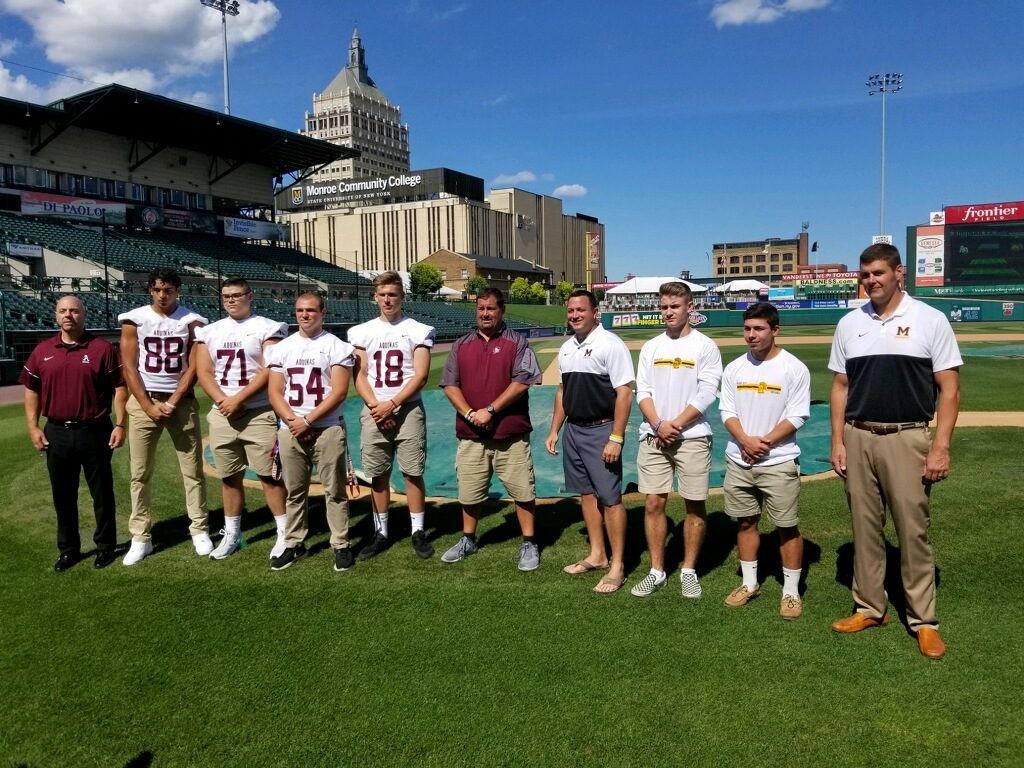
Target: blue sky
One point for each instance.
(677, 124)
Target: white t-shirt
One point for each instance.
(163, 344)
(236, 349)
(389, 351)
(676, 373)
(761, 394)
(306, 365)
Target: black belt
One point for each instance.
(78, 423)
(879, 428)
(160, 397)
(594, 423)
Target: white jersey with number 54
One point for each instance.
(163, 344)
(389, 351)
(306, 366)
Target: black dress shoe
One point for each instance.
(65, 561)
(104, 558)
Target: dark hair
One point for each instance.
(890, 254)
(495, 293)
(310, 295)
(584, 292)
(676, 288)
(164, 275)
(762, 310)
(236, 282)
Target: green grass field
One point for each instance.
(188, 662)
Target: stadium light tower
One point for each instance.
(226, 8)
(887, 82)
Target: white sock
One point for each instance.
(380, 523)
(281, 522)
(687, 570)
(417, 520)
(233, 525)
(791, 582)
(749, 569)
(659, 575)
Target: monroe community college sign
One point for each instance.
(312, 193)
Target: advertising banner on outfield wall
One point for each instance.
(77, 208)
(25, 251)
(930, 264)
(181, 221)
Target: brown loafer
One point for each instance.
(858, 621)
(930, 643)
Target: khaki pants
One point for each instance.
(143, 437)
(297, 460)
(885, 470)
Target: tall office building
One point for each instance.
(353, 112)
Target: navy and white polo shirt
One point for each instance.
(589, 371)
(890, 363)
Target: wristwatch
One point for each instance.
(490, 409)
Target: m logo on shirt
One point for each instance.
(902, 333)
(586, 352)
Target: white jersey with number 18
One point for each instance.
(389, 351)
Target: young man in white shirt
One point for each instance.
(309, 376)
(766, 398)
(243, 427)
(159, 369)
(393, 362)
(677, 378)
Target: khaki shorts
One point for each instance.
(245, 441)
(407, 439)
(775, 488)
(688, 461)
(511, 459)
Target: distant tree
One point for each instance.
(563, 289)
(424, 278)
(476, 285)
(519, 291)
(538, 293)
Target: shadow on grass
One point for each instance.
(893, 578)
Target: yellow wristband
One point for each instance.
(616, 439)
(620, 438)
(466, 414)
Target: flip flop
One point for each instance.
(582, 566)
(609, 581)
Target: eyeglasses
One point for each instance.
(234, 296)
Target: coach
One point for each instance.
(890, 357)
(487, 378)
(73, 379)
(595, 391)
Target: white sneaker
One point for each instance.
(203, 544)
(279, 546)
(137, 552)
(230, 544)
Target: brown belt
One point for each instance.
(880, 428)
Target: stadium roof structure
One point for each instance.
(154, 123)
(636, 285)
(740, 286)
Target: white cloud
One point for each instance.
(738, 12)
(7, 47)
(149, 47)
(495, 101)
(453, 11)
(570, 190)
(516, 178)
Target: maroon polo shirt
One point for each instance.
(483, 368)
(75, 382)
